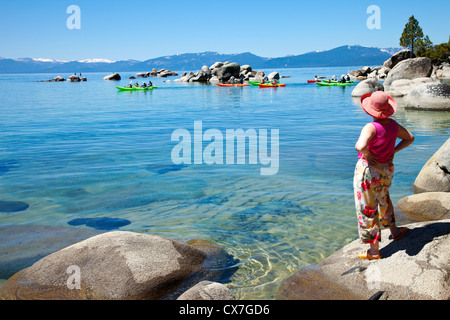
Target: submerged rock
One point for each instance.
(114, 265)
(103, 223)
(161, 168)
(23, 245)
(13, 206)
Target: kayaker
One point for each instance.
(136, 84)
(374, 171)
(150, 84)
(347, 78)
(144, 85)
(315, 78)
(241, 79)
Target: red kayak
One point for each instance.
(313, 81)
(233, 85)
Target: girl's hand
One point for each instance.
(391, 159)
(371, 159)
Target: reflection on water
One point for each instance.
(84, 156)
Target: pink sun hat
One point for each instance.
(378, 105)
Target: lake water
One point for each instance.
(84, 150)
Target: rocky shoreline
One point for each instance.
(120, 265)
(416, 81)
(414, 268)
(226, 71)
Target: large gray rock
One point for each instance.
(398, 57)
(189, 76)
(367, 86)
(435, 174)
(56, 79)
(409, 69)
(114, 265)
(214, 79)
(414, 268)
(73, 78)
(443, 71)
(426, 206)
(429, 96)
(203, 75)
(208, 290)
(142, 75)
(114, 76)
(273, 76)
(383, 72)
(227, 71)
(216, 65)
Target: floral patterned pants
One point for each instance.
(373, 204)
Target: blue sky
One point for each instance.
(142, 30)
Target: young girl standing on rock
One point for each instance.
(375, 170)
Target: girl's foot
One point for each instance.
(399, 233)
(368, 255)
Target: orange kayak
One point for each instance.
(270, 85)
(233, 85)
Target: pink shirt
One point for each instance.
(383, 143)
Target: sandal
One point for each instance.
(403, 231)
(367, 256)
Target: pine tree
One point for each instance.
(423, 46)
(411, 34)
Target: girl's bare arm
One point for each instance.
(367, 133)
(406, 136)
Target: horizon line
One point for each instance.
(105, 60)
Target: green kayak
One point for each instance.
(339, 84)
(330, 81)
(135, 88)
(257, 83)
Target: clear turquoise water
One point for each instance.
(83, 150)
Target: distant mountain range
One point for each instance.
(337, 57)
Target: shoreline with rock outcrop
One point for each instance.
(226, 71)
(123, 265)
(413, 268)
(417, 82)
